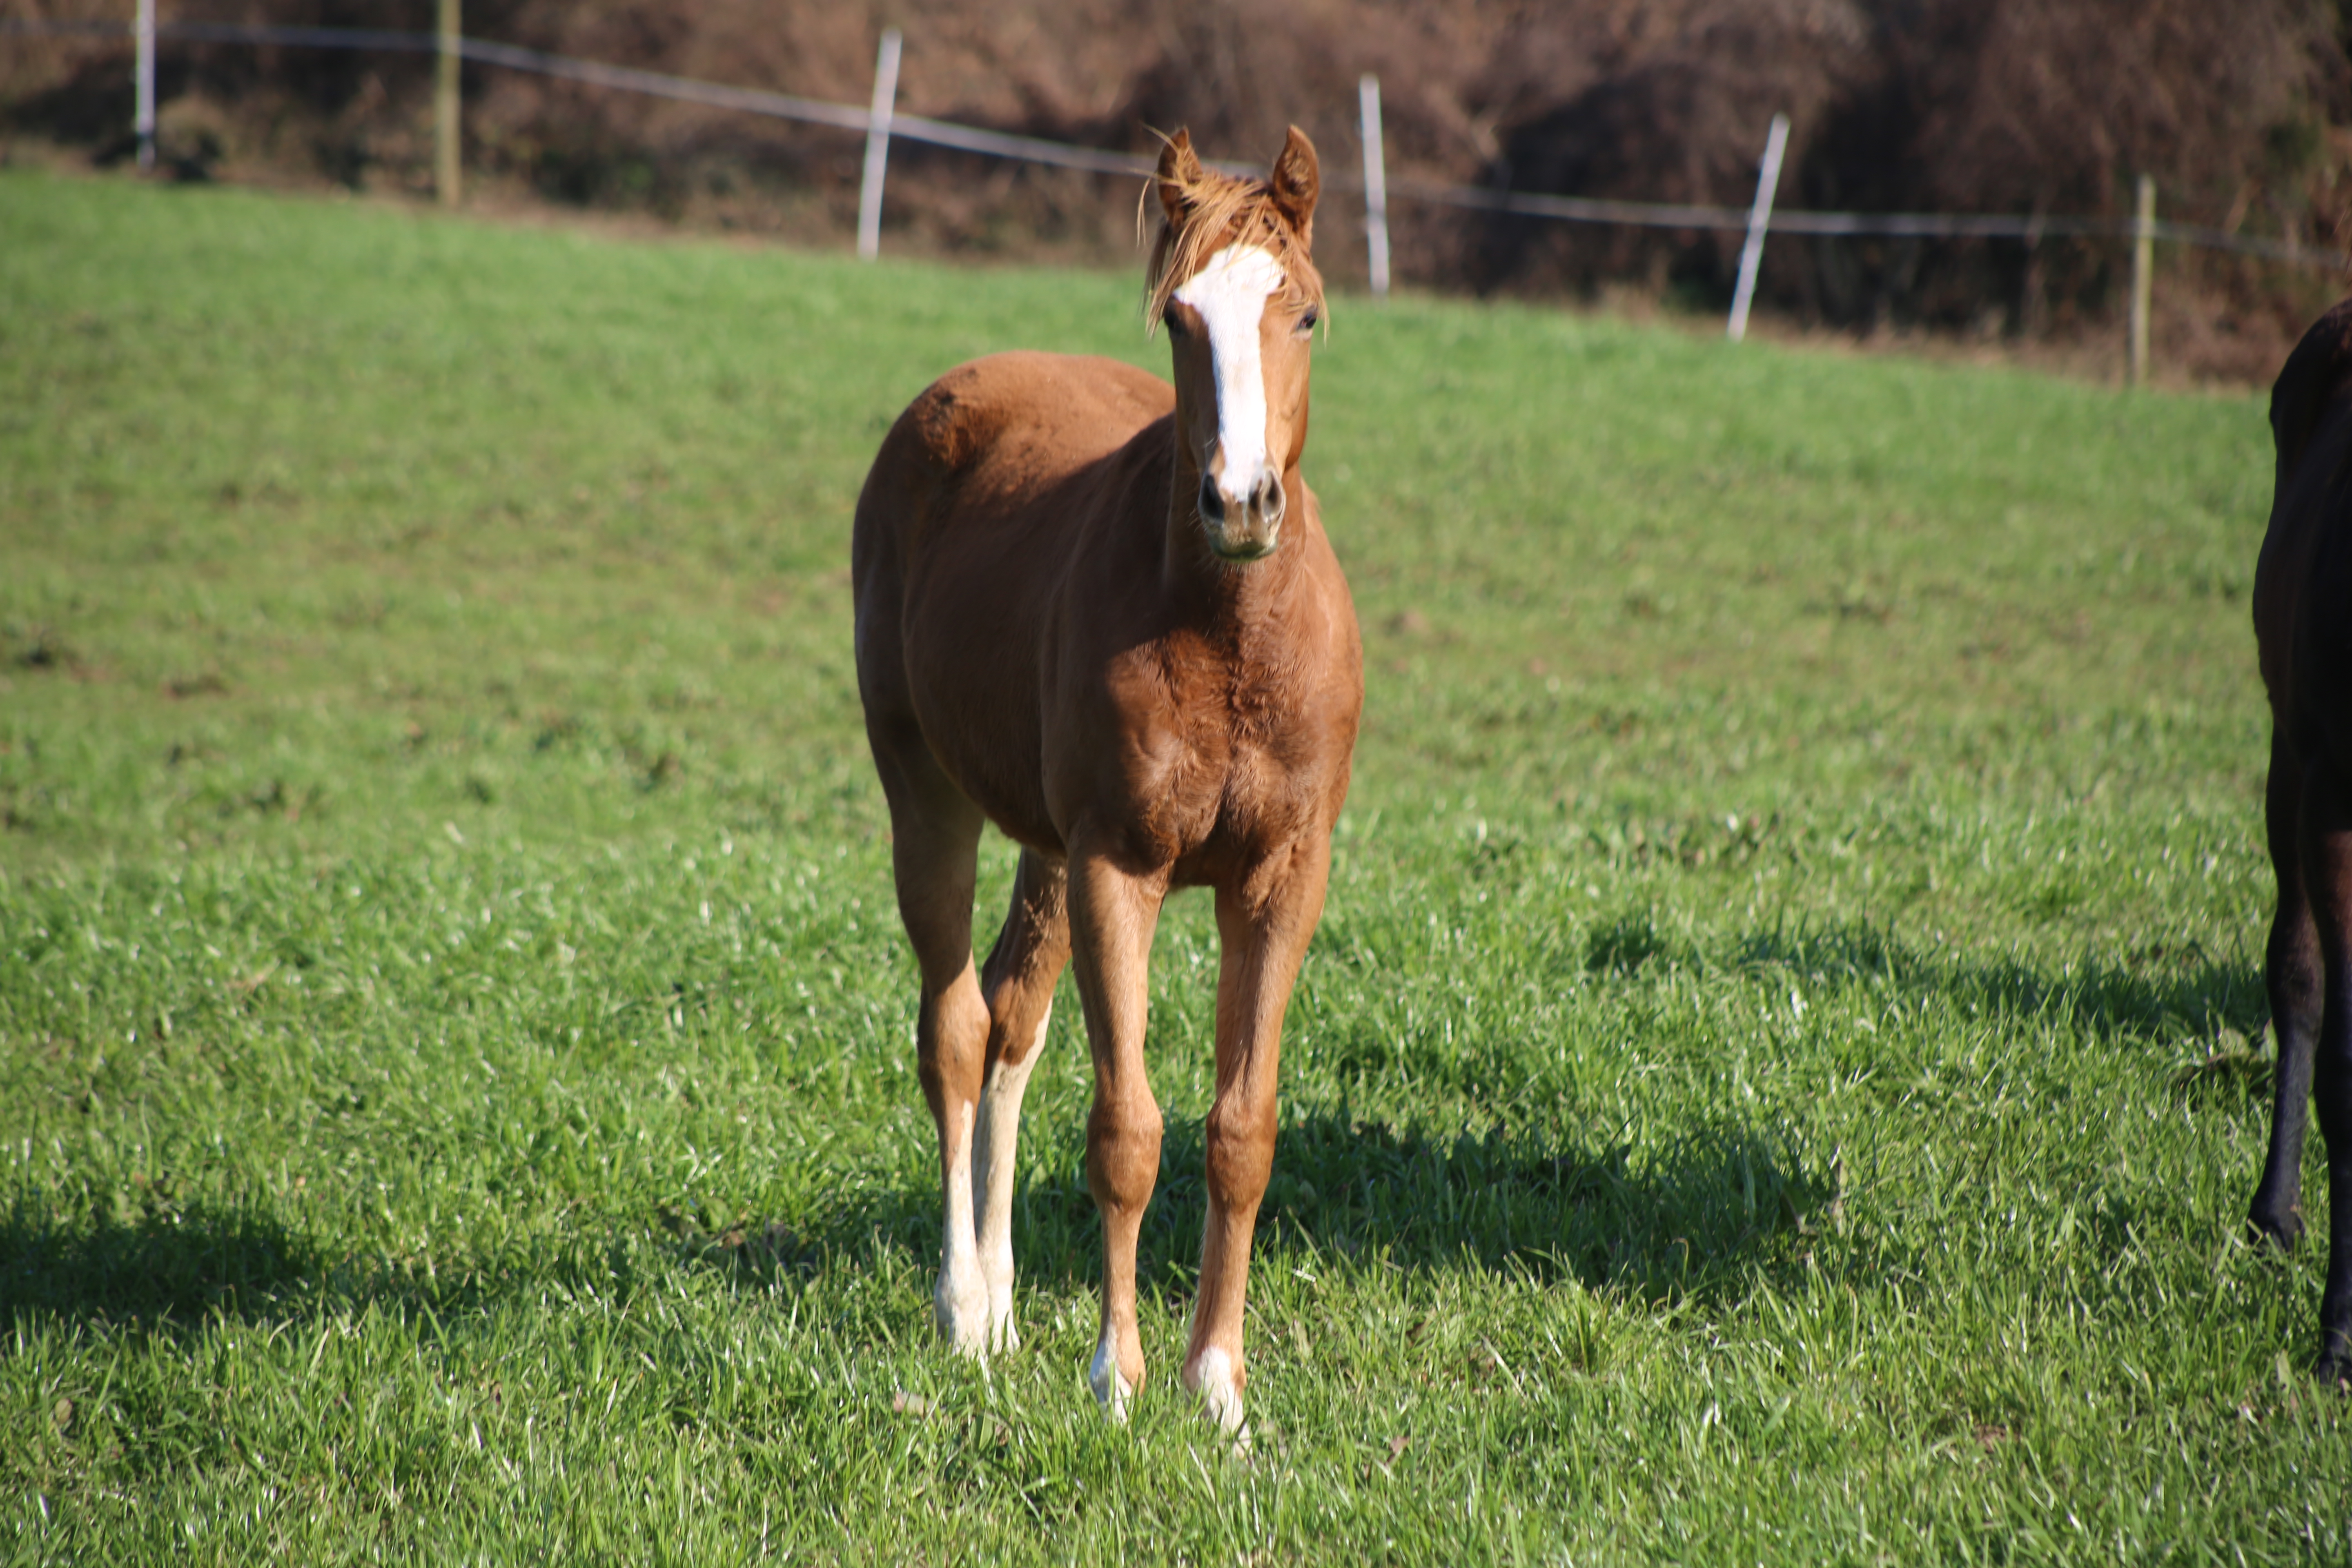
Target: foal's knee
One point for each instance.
(1123, 1153)
(1241, 1156)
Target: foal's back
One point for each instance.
(1010, 450)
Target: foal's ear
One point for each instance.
(1296, 181)
(1180, 169)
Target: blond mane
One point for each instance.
(1219, 210)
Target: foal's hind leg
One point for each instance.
(2291, 972)
(935, 841)
(1018, 981)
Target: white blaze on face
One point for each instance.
(1230, 293)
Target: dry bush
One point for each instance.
(1976, 106)
(1664, 103)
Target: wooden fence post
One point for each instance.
(446, 158)
(2143, 278)
(142, 113)
(1759, 218)
(877, 145)
(1376, 183)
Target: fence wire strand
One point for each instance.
(1101, 161)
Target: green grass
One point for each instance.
(1774, 1081)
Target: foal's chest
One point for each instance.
(1227, 765)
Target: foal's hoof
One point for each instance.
(1111, 1389)
(963, 1317)
(2278, 1228)
(2333, 1368)
(1211, 1377)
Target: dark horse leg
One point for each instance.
(2326, 832)
(2292, 972)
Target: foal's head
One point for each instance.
(1232, 278)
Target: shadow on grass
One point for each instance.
(178, 1263)
(1691, 1220)
(2154, 992)
(1684, 1224)
(1685, 1221)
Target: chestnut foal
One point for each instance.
(1102, 613)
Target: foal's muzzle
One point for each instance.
(1245, 527)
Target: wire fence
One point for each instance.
(882, 119)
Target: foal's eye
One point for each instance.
(1308, 322)
(1175, 325)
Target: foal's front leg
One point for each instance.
(1263, 926)
(1112, 916)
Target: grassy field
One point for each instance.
(1778, 1081)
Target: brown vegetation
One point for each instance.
(2243, 111)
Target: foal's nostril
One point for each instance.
(1269, 498)
(1212, 504)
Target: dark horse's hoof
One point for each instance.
(2281, 1230)
(2333, 1368)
